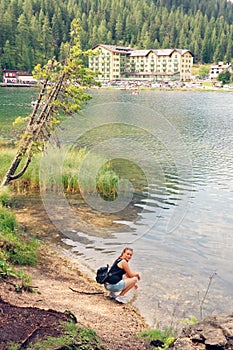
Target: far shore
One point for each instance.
(203, 88)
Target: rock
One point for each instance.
(212, 333)
(157, 343)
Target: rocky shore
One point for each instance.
(215, 332)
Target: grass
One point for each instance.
(16, 248)
(167, 336)
(19, 250)
(73, 337)
(105, 182)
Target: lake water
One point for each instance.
(173, 153)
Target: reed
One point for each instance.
(105, 183)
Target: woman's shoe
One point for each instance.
(121, 299)
(112, 295)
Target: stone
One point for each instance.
(215, 332)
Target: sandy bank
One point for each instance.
(114, 323)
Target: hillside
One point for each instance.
(31, 31)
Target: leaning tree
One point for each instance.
(62, 92)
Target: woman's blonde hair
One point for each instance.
(124, 250)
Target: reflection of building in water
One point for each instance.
(119, 62)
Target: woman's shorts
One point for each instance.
(118, 287)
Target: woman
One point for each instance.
(121, 278)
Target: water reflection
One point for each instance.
(175, 151)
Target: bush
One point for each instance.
(5, 196)
(153, 336)
(73, 337)
(107, 183)
(14, 248)
(7, 220)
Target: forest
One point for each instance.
(32, 31)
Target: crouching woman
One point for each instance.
(121, 278)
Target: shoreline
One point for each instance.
(204, 88)
(61, 285)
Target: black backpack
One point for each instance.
(102, 274)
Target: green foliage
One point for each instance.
(29, 181)
(6, 270)
(33, 34)
(5, 197)
(167, 336)
(189, 321)
(23, 280)
(107, 182)
(7, 220)
(20, 253)
(224, 77)
(62, 93)
(74, 337)
(15, 249)
(203, 71)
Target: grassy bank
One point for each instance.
(105, 182)
(19, 250)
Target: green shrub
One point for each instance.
(167, 336)
(107, 182)
(7, 220)
(6, 270)
(14, 248)
(5, 197)
(74, 337)
(18, 250)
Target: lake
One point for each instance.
(173, 153)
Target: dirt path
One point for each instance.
(115, 324)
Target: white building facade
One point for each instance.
(119, 62)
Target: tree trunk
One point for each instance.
(34, 131)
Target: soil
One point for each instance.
(63, 290)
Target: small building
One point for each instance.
(25, 78)
(12, 76)
(219, 68)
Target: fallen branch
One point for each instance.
(82, 292)
(28, 339)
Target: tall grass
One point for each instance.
(30, 179)
(105, 182)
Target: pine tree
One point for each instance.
(66, 94)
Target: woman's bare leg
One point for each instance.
(129, 283)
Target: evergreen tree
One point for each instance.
(66, 96)
(35, 30)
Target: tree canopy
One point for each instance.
(32, 31)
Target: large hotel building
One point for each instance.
(120, 62)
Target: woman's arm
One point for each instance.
(123, 264)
